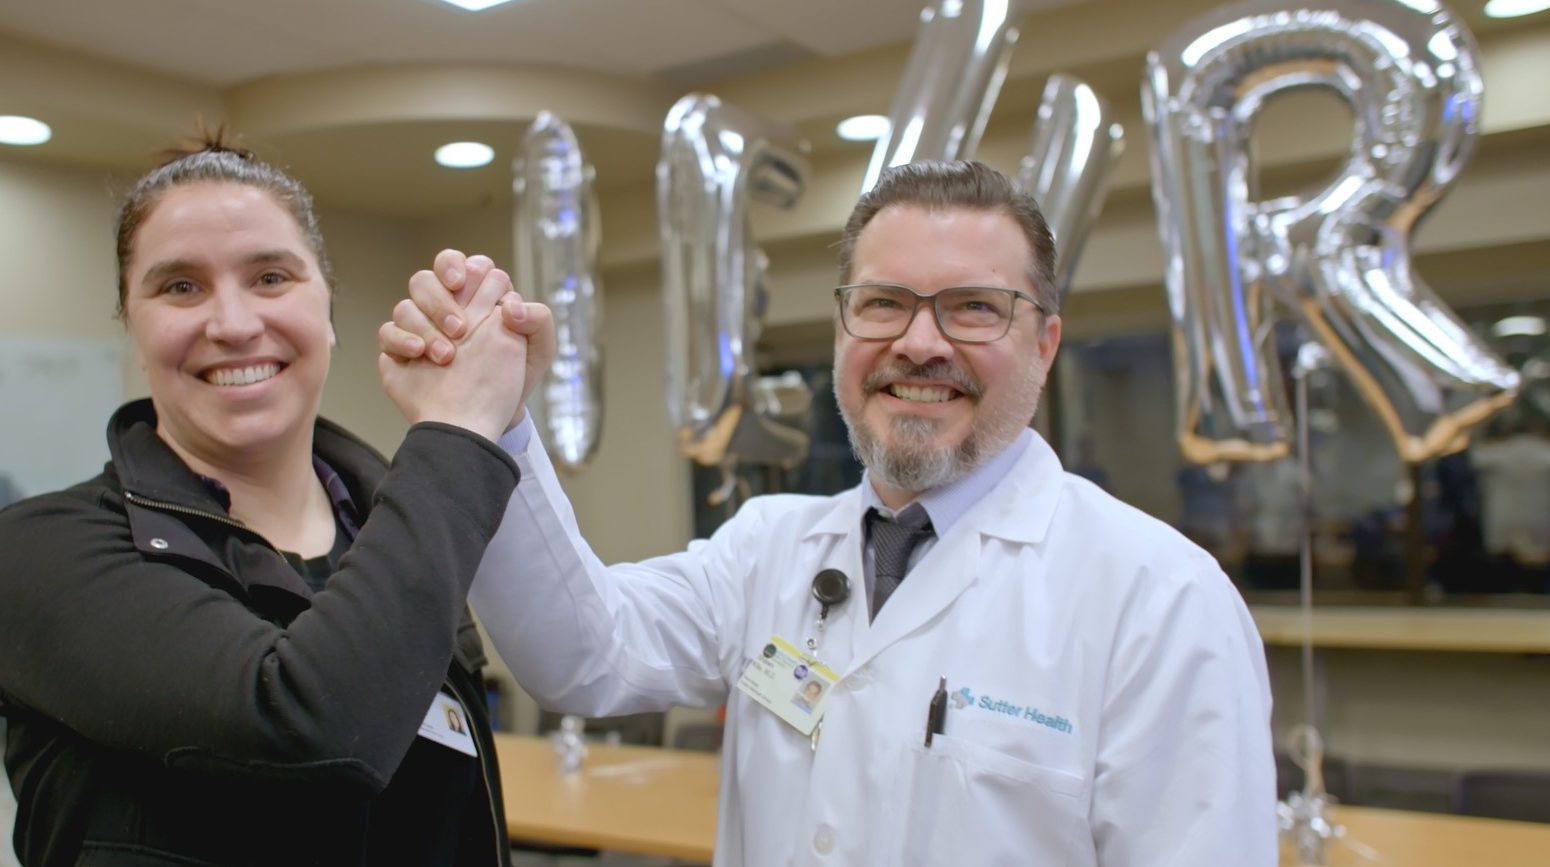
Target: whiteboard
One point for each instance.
(56, 396)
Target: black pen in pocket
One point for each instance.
(936, 712)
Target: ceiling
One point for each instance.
(226, 56)
(353, 96)
(684, 41)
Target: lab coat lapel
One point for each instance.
(935, 585)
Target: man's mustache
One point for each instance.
(938, 372)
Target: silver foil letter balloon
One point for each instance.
(716, 160)
(950, 84)
(1074, 145)
(1337, 257)
(556, 246)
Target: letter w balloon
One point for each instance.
(1338, 257)
(950, 84)
(1075, 145)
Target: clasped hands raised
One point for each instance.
(464, 348)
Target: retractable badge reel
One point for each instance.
(830, 588)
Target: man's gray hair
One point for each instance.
(967, 185)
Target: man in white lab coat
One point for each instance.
(1056, 679)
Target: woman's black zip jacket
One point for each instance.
(175, 693)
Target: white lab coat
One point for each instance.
(1116, 713)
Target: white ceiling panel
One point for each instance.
(835, 27)
(186, 38)
(631, 37)
(840, 27)
(226, 42)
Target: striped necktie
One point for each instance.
(893, 540)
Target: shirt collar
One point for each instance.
(947, 503)
(338, 495)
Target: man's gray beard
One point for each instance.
(913, 466)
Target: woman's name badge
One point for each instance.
(447, 724)
(789, 684)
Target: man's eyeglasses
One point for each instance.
(966, 314)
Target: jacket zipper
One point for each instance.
(165, 506)
(485, 761)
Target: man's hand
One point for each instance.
(434, 320)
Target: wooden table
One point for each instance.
(1430, 840)
(660, 802)
(642, 800)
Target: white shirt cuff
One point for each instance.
(514, 442)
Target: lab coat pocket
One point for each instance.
(972, 804)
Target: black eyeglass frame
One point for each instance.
(936, 312)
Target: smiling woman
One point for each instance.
(228, 310)
(195, 671)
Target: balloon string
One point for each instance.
(1310, 357)
(1307, 752)
(732, 491)
(1304, 815)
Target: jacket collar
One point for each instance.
(147, 466)
(163, 493)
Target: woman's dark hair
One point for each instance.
(208, 157)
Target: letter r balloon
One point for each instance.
(1339, 257)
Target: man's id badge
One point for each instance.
(447, 724)
(795, 688)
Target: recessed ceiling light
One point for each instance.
(465, 155)
(863, 127)
(475, 5)
(18, 130)
(1514, 8)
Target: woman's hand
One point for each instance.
(444, 303)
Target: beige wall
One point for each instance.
(373, 259)
(56, 239)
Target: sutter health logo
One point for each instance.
(964, 698)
